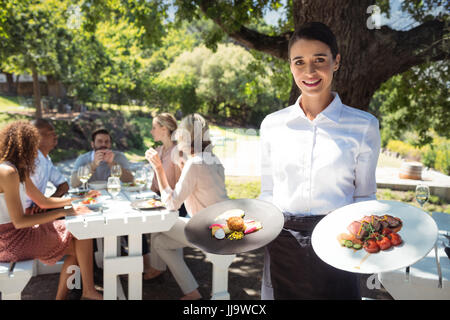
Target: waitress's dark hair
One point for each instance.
(315, 31)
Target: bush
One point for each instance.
(404, 149)
(443, 159)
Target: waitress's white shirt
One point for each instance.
(314, 167)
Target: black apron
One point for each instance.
(298, 273)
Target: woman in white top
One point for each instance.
(317, 155)
(37, 236)
(201, 184)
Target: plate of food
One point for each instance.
(91, 202)
(147, 204)
(374, 236)
(97, 185)
(131, 186)
(78, 192)
(234, 226)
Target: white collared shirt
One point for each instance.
(44, 172)
(314, 167)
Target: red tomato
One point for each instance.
(384, 243)
(386, 231)
(395, 239)
(371, 246)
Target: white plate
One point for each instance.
(419, 234)
(97, 185)
(93, 206)
(131, 188)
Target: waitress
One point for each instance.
(317, 155)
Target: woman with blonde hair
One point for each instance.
(37, 236)
(201, 184)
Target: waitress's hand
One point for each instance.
(153, 158)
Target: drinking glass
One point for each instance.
(150, 173)
(422, 194)
(84, 174)
(116, 170)
(140, 178)
(113, 186)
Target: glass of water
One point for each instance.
(422, 194)
(113, 186)
(140, 178)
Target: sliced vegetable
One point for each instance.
(357, 246)
(348, 243)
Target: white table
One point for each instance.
(119, 219)
(422, 281)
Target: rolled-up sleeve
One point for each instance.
(365, 172)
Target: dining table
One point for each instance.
(427, 279)
(116, 217)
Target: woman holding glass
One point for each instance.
(201, 184)
(317, 155)
(38, 236)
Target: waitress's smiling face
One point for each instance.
(312, 66)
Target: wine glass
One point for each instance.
(116, 170)
(140, 178)
(422, 194)
(84, 174)
(113, 186)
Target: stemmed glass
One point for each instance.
(84, 173)
(422, 194)
(140, 177)
(116, 170)
(113, 186)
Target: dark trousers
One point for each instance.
(298, 273)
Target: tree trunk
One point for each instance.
(12, 89)
(37, 93)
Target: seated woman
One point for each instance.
(163, 126)
(38, 236)
(201, 184)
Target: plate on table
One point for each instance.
(91, 203)
(269, 217)
(147, 204)
(419, 233)
(131, 186)
(78, 192)
(97, 185)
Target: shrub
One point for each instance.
(404, 149)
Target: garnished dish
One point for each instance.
(153, 203)
(147, 204)
(383, 235)
(89, 201)
(373, 233)
(92, 202)
(235, 227)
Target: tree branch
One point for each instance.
(273, 45)
(425, 42)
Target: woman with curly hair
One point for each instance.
(38, 236)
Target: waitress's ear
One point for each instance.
(337, 62)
